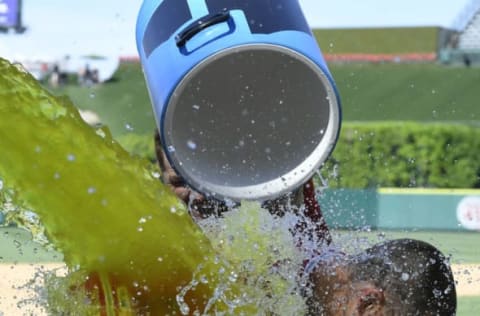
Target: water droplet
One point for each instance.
(171, 149)
(230, 204)
(253, 121)
(100, 132)
(142, 220)
(268, 150)
(184, 309)
(233, 277)
(129, 127)
(405, 276)
(92, 95)
(38, 149)
(173, 210)
(91, 190)
(196, 107)
(281, 102)
(437, 293)
(192, 145)
(140, 229)
(204, 279)
(71, 157)
(447, 290)
(160, 259)
(1, 185)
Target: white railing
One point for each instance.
(466, 16)
(470, 36)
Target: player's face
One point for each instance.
(339, 296)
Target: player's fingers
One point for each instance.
(176, 180)
(182, 193)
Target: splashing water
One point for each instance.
(261, 255)
(112, 220)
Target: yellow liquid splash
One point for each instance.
(129, 244)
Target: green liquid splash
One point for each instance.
(104, 210)
(128, 242)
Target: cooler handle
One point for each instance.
(199, 25)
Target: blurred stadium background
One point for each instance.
(424, 74)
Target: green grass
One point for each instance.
(16, 245)
(123, 103)
(462, 247)
(416, 92)
(468, 306)
(378, 40)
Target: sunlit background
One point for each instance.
(108, 27)
(408, 74)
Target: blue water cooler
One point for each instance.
(245, 104)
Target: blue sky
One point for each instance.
(107, 27)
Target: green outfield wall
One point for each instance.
(428, 209)
(350, 208)
(400, 209)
